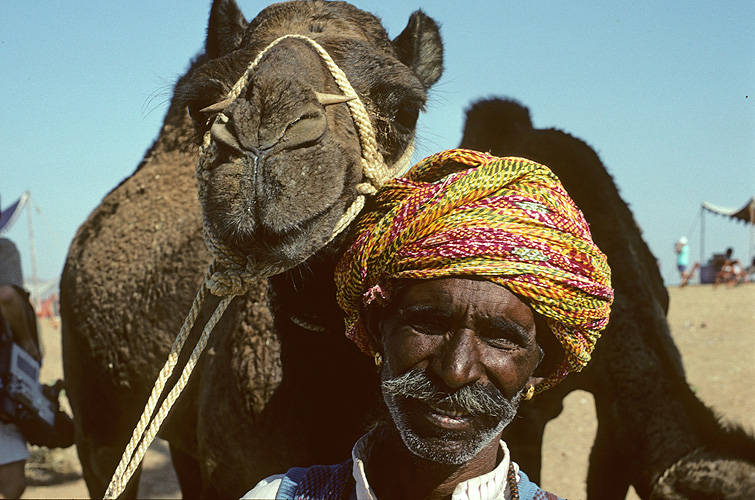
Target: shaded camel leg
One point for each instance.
(98, 464)
(188, 472)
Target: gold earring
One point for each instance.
(378, 360)
(529, 392)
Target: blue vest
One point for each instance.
(332, 482)
(335, 482)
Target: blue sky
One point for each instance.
(663, 91)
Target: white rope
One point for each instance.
(238, 273)
(661, 481)
(132, 459)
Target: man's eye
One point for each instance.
(501, 342)
(503, 338)
(427, 324)
(429, 328)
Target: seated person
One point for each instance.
(18, 314)
(731, 271)
(474, 283)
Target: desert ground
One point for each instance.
(714, 329)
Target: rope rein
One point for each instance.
(230, 273)
(661, 481)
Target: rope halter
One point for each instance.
(236, 272)
(231, 273)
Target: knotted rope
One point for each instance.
(232, 273)
(660, 483)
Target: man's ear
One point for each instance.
(534, 380)
(553, 352)
(371, 315)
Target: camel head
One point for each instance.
(286, 153)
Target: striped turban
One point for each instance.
(509, 220)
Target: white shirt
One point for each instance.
(490, 486)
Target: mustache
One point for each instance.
(478, 399)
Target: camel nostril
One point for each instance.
(307, 129)
(221, 135)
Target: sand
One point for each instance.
(714, 329)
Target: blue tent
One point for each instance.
(9, 214)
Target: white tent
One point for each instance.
(745, 214)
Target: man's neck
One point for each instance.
(395, 473)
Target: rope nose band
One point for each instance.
(238, 272)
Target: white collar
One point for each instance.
(489, 486)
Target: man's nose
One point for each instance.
(459, 360)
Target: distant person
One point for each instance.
(731, 272)
(19, 316)
(681, 248)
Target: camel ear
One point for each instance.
(225, 29)
(420, 47)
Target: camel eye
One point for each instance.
(201, 114)
(197, 116)
(406, 117)
(203, 99)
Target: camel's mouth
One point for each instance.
(268, 248)
(279, 230)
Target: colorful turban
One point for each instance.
(509, 220)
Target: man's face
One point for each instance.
(457, 353)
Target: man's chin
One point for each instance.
(446, 450)
(440, 439)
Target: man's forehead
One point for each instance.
(470, 295)
(445, 286)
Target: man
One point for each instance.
(474, 283)
(16, 311)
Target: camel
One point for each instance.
(263, 395)
(653, 432)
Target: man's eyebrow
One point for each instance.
(424, 308)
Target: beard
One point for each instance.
(485, 411)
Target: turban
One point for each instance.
(509, 220)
